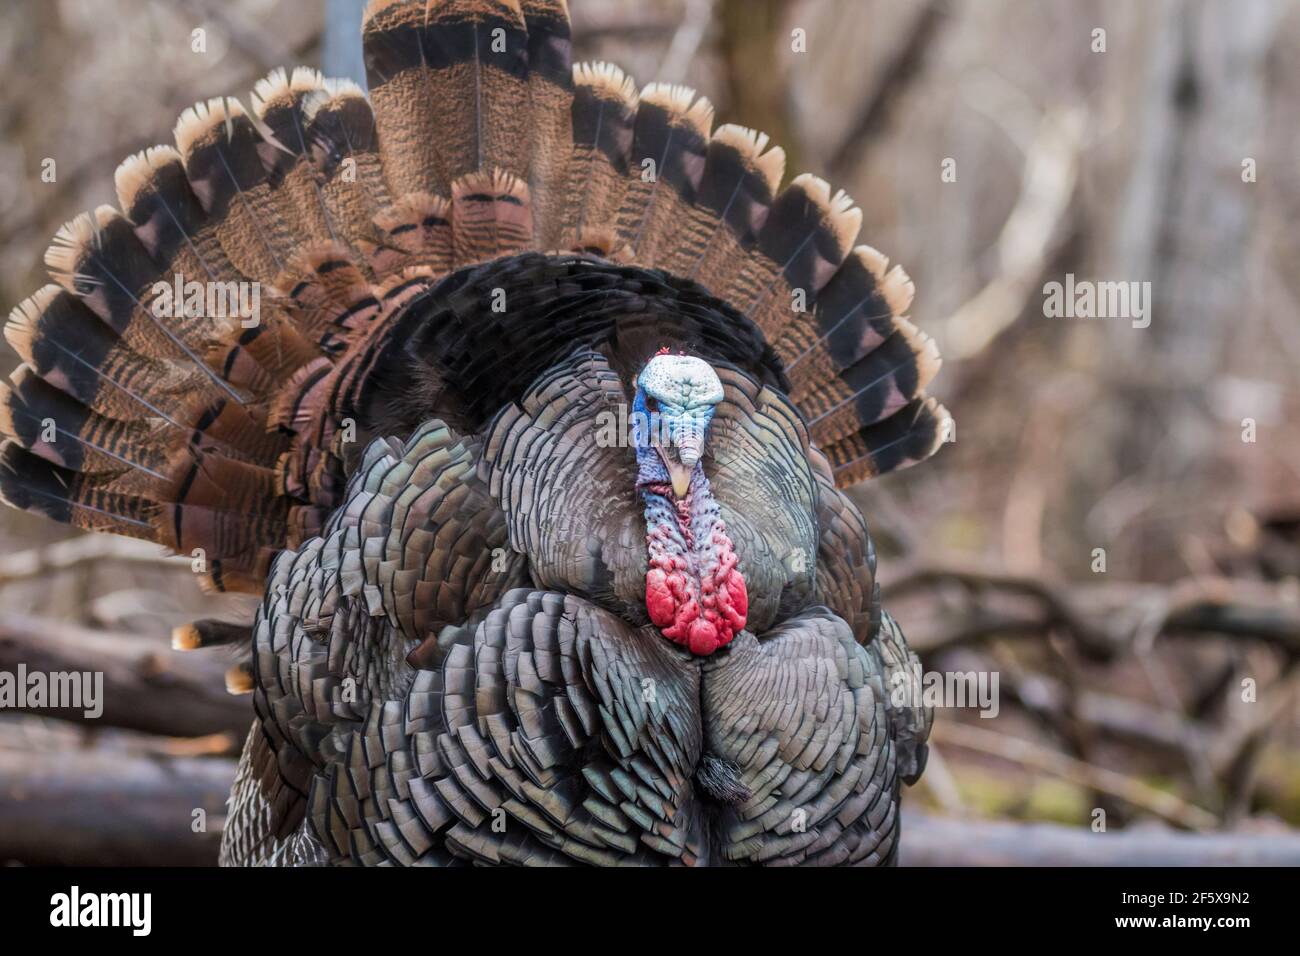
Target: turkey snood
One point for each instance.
(694, 592)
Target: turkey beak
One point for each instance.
(678, 471)
(681, 463)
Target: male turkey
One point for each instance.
(535, 450)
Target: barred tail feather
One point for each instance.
(910, 435)
(596, 170)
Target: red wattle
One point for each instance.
(659, 599)
(704, 638)
(704, 613)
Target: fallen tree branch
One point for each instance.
(1055, 606)
(1118, 717)
(88, 808)
(146, 686)
(31, 732)
(943, 841)
(88, 549)
(1167, 806)
(1106, 618)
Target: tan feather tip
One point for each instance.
(68, 247)
(377, 8)
(842, 217)
(21, 374)
(748, 141)
(275, 83)
(681, 101)
(162, 155)
(818, 189)
(846, 225)
(842, 202)
(6, 411)
(772, 165)
(413, 207)
(136, 172)
(846, 220)
(607, 80)
(946, 425)
(77, 230)
(131, 176)
(187, 638)
(305, 78)
(21, 324)
(239, 680)
(280, 85)
(342, 88)
(751, 143)
(600, 241)
(898, 289)
(873, 260)
(924, 349)
(199, 120)
(495, 182)
(106, 215)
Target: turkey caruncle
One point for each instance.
(487, 635)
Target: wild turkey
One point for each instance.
(535, 449)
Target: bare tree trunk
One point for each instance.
(1185, 224)
(939, 841)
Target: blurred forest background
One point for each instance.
(1161, 691)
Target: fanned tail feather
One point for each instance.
(280, 102)
(669, 141)
(596, 172)
(740, 179)
(140, 410)
(449, 80)
(222, 151)
(910, 435)
(491, 216)
(550, 101)
(344, 150)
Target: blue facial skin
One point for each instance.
(650, 467)
(676, 428)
